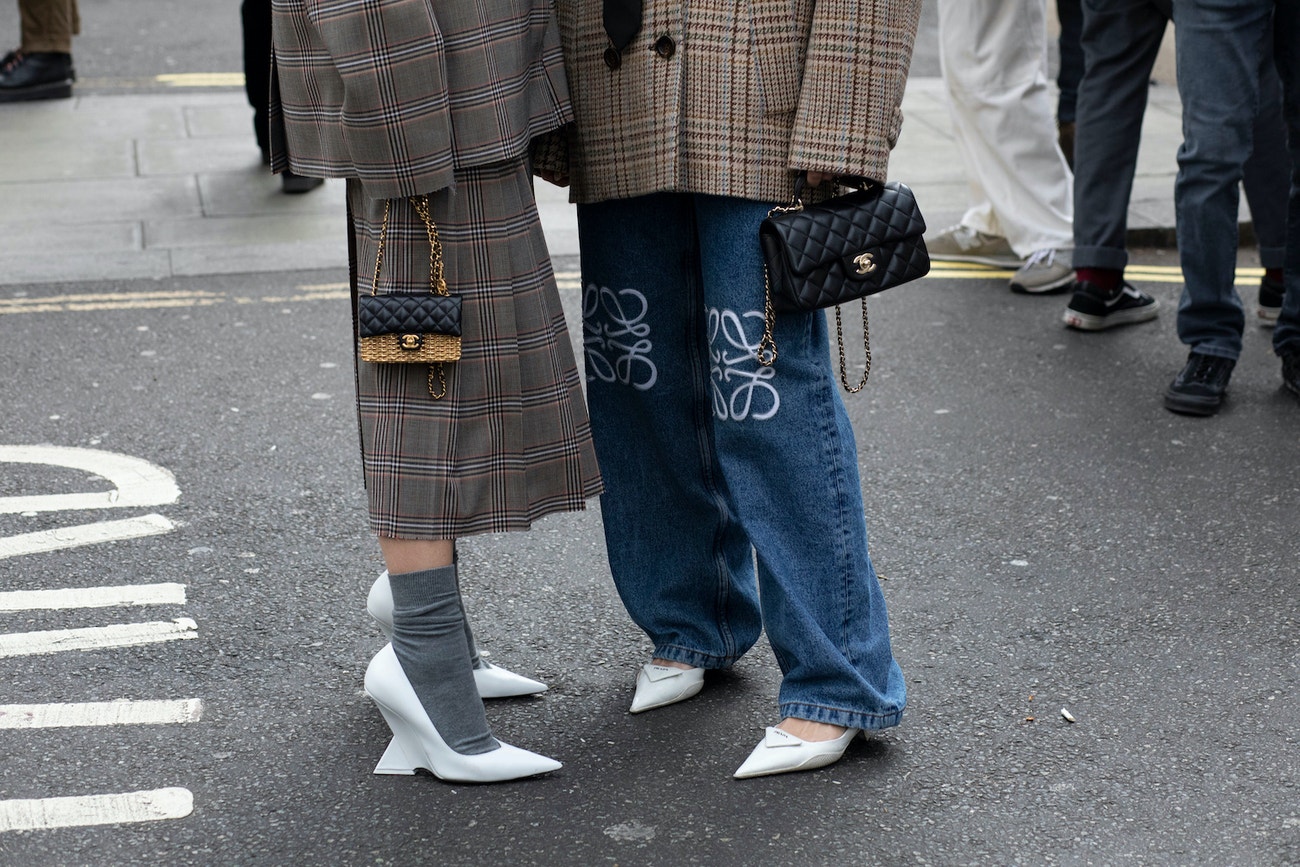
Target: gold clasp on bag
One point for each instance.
(410, 342)
(865, 262)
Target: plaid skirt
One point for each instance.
(510, 441)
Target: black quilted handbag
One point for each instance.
(843, 249)
(412, 329)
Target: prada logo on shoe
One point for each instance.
(865, 262)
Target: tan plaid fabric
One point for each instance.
(750, 90)
(510, 441)
(400, 93)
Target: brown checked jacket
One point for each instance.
(401, 93)
(731, 97)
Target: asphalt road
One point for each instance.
(1050, 537)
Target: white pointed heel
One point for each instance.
(781, 752)
(662, 685)
(492, 681)
(417, 744)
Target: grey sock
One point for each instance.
(476, 661)
(430, 638)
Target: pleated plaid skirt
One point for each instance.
(510, 441)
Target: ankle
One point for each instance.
(807, 730)
(670, 663)
(1108, 280)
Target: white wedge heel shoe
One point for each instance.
(492, 681)
(781, 752)
(662, 685)
(417, 744)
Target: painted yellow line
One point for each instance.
(202, 79)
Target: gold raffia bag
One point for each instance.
(412, 329)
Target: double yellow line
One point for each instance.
(1136, 273)
(156, 300)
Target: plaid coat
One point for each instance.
(401, 93)
(730, 97)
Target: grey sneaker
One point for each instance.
(960, 244)
(1044, 273)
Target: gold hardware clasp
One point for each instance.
(866, 264)
(410, 342)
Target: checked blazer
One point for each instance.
(730, 97)
(399, 94)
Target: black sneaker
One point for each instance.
(39, 75)
(1199, 387)
(1291, 371)
(1270, 301)
(1092, 310)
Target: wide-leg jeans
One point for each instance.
(733, 500)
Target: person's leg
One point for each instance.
(994, 60)
(1266, 181)
(787, 452)
(255, 17)
(48, 25)
(1070, 73)
(1220, 94)
(1286, 337)
(682, 565)
(1120, 41)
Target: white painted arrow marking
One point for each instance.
(136, 482)
(99, 713)
(36, 813)
(93, 597)
(95, 637)
(45, 541)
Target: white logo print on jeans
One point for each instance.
(617, 344)
(734, 368)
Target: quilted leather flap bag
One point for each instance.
(843, 249)
(412, 329)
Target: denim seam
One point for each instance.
(842, 716)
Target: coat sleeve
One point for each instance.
(849, 112)
(395, 115)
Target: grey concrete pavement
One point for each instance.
(112, 186)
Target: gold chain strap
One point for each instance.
(437, 282)
(866, 347)
(766, 353)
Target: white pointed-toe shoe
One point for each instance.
(492, 681)
(781, 752)
(662, 685)
(417, 744)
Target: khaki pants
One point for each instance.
(49, 25)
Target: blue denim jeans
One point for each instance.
(1221, 98)
(732, 500)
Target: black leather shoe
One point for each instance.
(39, 75)
(1199, 387)
(296, 184)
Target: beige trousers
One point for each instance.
(49, 25)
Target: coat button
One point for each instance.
(612, 58)
(665, 47)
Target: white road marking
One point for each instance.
(36, 813)
(93, 597)
(136, 482)
(100, 713)
(44, 541)
(95, 637)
